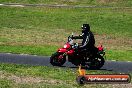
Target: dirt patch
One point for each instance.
(25, 79)
(113, 42)
(33, 80)
(70, 0)
(121, 85)
(32, 37)
(42, 38)
(107, 1)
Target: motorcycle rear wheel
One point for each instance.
(95, 63)
(55, 61)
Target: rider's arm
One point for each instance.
(78, 37)
(85, 43)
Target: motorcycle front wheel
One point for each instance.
(57, 59)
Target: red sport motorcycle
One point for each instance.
(76, 57)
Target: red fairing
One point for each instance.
(62, 50)
(67, 46)
(100, 48)
(70, 52)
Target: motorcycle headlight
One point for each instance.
(65, 46)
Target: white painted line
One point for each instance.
(1, 4)
(12, 5)
(69, 6)
(17, 5)
(23, 54)
(8, 53)
(26, 54)
(113, 60)
(129, 61)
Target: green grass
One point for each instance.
(74, 2)
(119, 55)
(41, 31)
(35, 30)
(36, 50)
(106, 21)
(41, 76)
(4, 83)
(40, 71)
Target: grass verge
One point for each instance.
(27, 76)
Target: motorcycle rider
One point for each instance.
(88, 41)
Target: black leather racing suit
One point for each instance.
(88, 41)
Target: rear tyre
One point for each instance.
(55, 59)
(96, 63)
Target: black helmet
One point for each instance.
(85, 28)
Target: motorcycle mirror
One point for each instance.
(72, 34)
(68, 38)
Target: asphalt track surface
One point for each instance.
(116, 66)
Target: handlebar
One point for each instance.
(70, 40)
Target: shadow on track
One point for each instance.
(115, 66)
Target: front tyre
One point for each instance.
(57, 59)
